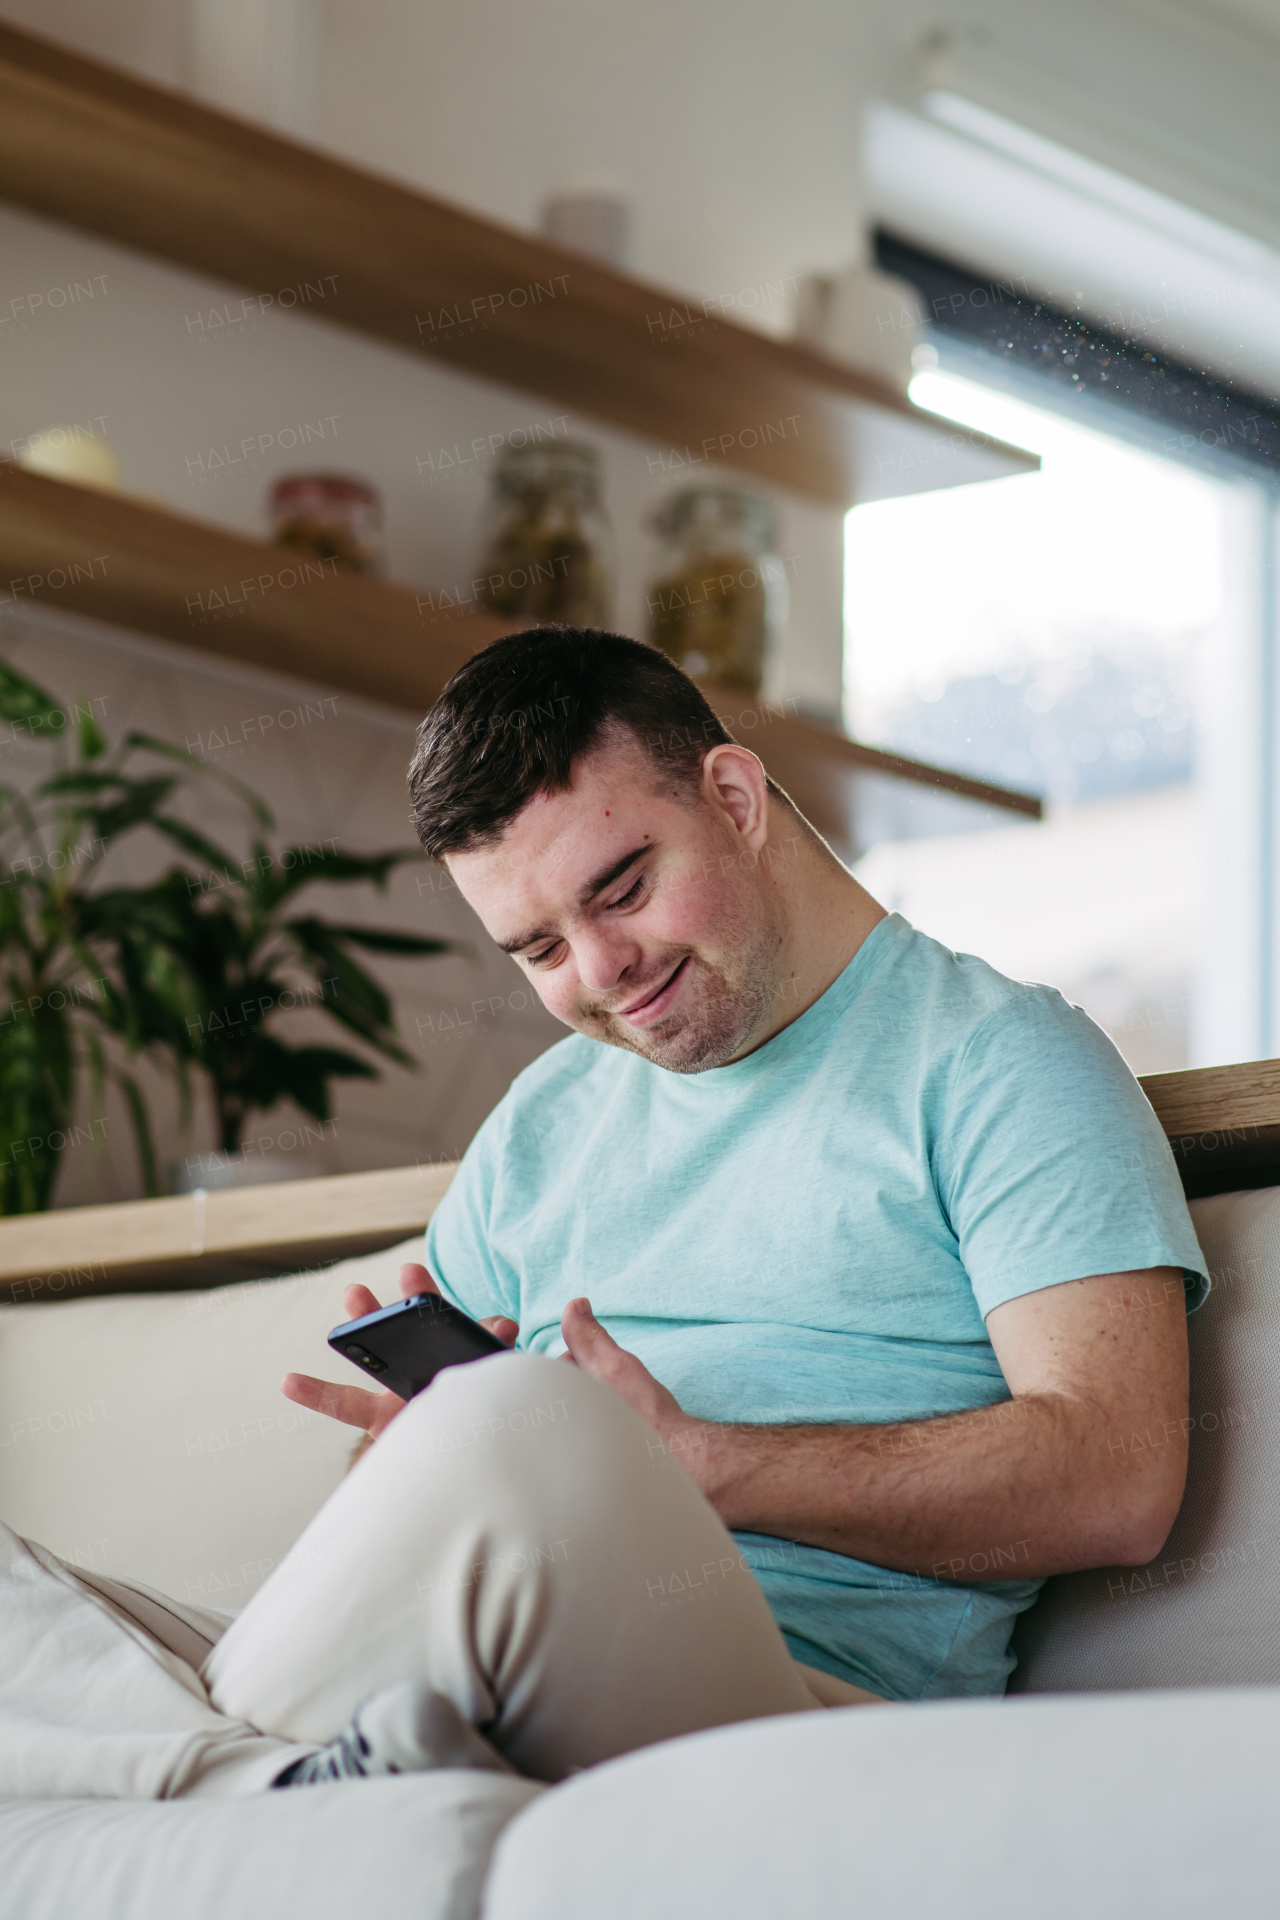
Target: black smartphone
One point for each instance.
(404, 1347)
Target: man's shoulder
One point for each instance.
(952, 1025)
(986, 1042)
(944, 997)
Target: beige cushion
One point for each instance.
(146, 1434)
(1206, 1612)
(1138, 1807)
(416, 1847)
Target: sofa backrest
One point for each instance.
(145, 1435)
(1206, 1612)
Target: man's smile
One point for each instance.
(655, 1005)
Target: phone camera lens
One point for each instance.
(363, 1358)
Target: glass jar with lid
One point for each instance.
(549, 555)
(330, 517)
(719, 601)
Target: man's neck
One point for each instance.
(825, 915)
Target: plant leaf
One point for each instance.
(21, 699)
(97, 1067)
(141, 1133)
(352, 996)
(193, 842)
(80, 780)
(296, 867)
(385, 942)
(257, 806)
(92, 742)
(136, 808)
(306, 1072)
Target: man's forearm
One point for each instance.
(1083, 1467)
(1030, 1486)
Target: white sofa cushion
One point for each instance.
(145, 1435)
(414, 1847)
(1206, 1612)
(1105, 1808)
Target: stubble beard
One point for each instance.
(720, 1008)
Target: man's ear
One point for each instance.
(733, 781)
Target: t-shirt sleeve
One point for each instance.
(1049, 1159)
(459, 1250)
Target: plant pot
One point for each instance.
(222, 1172)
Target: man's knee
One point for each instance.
(529, 1442)
(498, 1411)
(535, 1452)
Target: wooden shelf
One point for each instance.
(162, 172)
(137, 566)
(1218, 1101)
(819, 766)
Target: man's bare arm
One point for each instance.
(1083, 1467)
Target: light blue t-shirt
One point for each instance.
(814, 1234)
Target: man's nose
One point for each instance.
(605, 956)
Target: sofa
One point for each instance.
(1134, 1764)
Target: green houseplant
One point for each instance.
(195, 970)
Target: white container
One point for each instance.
(216, 1172)
(257, 58)
(75, 454)
(593, 216)
(863, 317)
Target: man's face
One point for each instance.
(643, 920)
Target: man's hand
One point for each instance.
(1083, 1466)
(356, 1406)
(598, 1353)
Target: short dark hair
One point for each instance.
(512, 722)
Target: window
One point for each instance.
(1095, 633)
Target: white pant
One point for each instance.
(519, 1540)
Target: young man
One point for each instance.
(888, 1252)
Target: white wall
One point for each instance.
(735, 126)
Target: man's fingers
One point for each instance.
(357, 1301)
(596, 1351)
(354, 1406)
(583, 1334)
(414, 1278)
(592, 1347)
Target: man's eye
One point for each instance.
(540, 959)
(630, 893)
